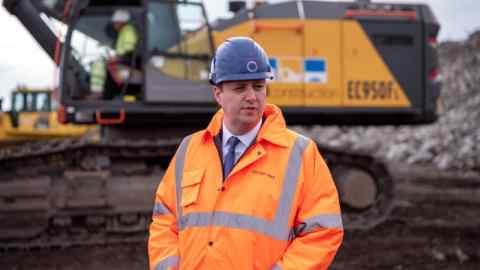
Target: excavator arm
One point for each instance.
(34, 16)
(30, 15)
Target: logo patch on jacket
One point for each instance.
(271, 176)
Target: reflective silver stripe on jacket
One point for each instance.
(295, 161)
(171, 261)
(232, 220)
(277, 228)
(320, 221)
(277, 267)
(160, 209)
(180, 161)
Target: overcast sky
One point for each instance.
(23, 62)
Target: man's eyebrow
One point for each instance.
(244, 83)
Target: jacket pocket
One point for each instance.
(191, 186)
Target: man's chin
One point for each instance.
(250, 122)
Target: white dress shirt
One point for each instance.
(245, 140)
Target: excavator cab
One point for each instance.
(32, 117)
(29, 104)
(167, 65)
(162, 76)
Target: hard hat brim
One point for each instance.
(244, 77)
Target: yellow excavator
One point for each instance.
(32, 117)
(345, 63)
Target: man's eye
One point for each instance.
(259, 87)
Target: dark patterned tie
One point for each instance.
(230, 157)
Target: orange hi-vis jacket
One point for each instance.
(277, 209)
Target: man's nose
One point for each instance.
(250, 93)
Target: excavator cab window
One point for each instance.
(31, 101)
(42, 102)
(182, 48)
(169, 63)
(26, 101)
(18, 102)
(112, 72)
(18, 105)
(179, 49)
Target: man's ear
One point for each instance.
(217, 91)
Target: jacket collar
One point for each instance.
(273, 128)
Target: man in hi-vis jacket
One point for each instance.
(246, 192)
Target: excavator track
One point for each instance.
(79, 192)
(357, 173)
(84, 191)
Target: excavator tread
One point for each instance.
(93, 225)
(34, 149)
(51, 163)
(377, 168)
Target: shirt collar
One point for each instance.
(246, 139)
(272, 129)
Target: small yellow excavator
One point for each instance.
(32, 117)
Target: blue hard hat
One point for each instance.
(239, 59)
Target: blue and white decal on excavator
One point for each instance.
(299, 69)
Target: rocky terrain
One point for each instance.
(453, 142)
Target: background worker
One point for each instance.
(123, 66)
(246, 192)
(127, 37)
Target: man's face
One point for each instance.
(118, 25)
(243, 103)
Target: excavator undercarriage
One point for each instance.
(82, 191)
